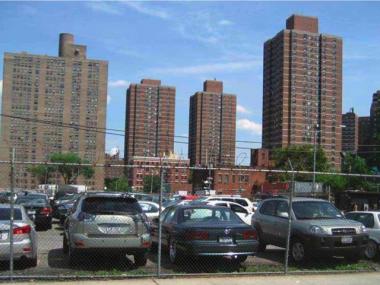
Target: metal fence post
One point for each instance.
(159, 248)
(11, 217)
(289, 219)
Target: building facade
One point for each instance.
(114, 166)
(212, 126)
(150, 114)
(302, 88)
(176, 176)
(350, 132)
(53, 104)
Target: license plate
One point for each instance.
(113, 230)
(3, 236)
(346, 240)
(31, 212)
(225, 240)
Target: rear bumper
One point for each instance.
(21, 249)
(129, 244)
(333, 246)
(207, 248)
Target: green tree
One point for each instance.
(151, 183)
(119, 184)
(355, 164)
(41, 172)
(72, 167)
(302, 158)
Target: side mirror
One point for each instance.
(284, 215)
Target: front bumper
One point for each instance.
(207, 248)
(333, 245)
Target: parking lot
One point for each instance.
(53, 262)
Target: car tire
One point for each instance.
(140, 259)
(65, 245)
(371, 250)
(262, 245)
(174, 254)
(32, 262)
(298, 251)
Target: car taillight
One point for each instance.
(250, 234)
(46, 211)
(22, 230)
(196, 235)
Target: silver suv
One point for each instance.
(318, 228)
(107, 223)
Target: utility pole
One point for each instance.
(316, 129)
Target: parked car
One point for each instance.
(109, 223)
(150, 209)
(24, 236)
(204, 230)
(245, 202)
(5, 197)
(38, 208)
(62, 204)
(63, 210)
(371, 220)
(318, 228)
(236, 208)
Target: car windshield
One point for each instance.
(212, 215)
(5, 214)
(111, 205)
(307, 210)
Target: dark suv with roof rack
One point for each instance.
(318, 228)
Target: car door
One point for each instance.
(282, 222)
(241, 212)
(265, 221)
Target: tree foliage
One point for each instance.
(72, 167)
(119, 184)
(41, 172)
(151, 184)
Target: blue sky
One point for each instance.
(185, 43)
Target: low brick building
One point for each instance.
(114, 166)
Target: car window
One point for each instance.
(208, 215)
(169, 217)
(366, 219)
(282, 208)
(222, 204)
(238, 209)
(5, 214)
(164, 213)
(109, 205)
(268, 208)
(308, 210)
(241, 202)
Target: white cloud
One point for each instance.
(144, 9)
(108, 99)
(245, 124)
(104, 7)
(242, 110)
(225, 22)
(208, 68)
(119, 83)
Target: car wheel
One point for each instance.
(174, 255)
(298, 251)
(371, 250)
(65, 245)
(140, 259)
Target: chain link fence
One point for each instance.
(49, 229)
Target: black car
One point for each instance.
(204, 230)
(38, 209)
(66, 199)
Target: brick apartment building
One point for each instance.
(350, 132)
(149, 121)
(114, 166)
(302, 88)
(212, 126)
(177, 172)
(56, 104)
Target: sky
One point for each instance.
(185, 43)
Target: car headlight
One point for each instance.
(362, 229)
(316, 230)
